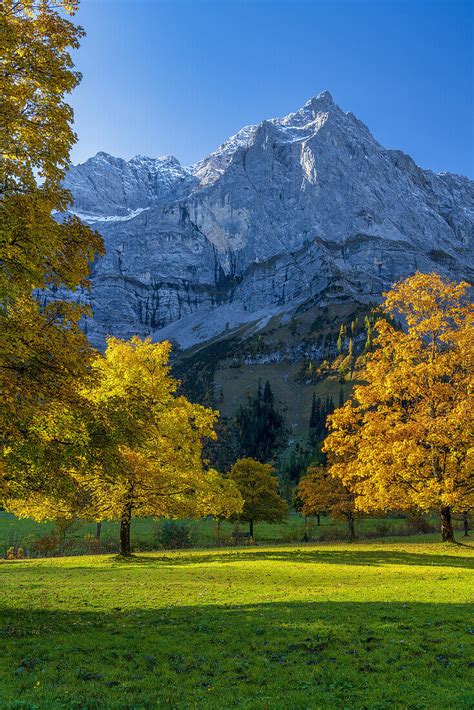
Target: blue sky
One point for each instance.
(180, 76)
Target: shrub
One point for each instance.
(174, 535)
(331, 534)
(47, 544)
(418, 524)
(291, 533)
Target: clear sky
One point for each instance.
(180, 76)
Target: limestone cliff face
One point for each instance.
(307, 208)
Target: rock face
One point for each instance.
(306, 209)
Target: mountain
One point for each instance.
(293, 213)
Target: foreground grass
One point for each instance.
(333, 626)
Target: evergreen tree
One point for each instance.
(267, 393)
(341, 397)
(260, 426)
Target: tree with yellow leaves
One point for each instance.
(405, 440)
(319, 492)
(43, 353)
(138, 452)
(258, 486)
(149, 442)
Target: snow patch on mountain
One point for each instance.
(96, 218)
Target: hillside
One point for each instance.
(251, 259)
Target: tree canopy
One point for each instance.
(258, 486)
(319, 492)
(145, 447)
(406, 438)
(43, 352)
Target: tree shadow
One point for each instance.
(306, 554)
(338, 653)
(357, 556)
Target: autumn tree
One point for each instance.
(319, 492)
(226, 501)
(258, 487)
(404, 440)
(154, 466)
(141, 448)
(43, 353)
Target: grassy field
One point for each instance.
(329, 626)
(203, 533)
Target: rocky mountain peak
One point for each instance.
(323, 103)
(295, 212)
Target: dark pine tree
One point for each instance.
(341, 397)
(260, 426)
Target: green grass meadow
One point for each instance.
(15, 532)
(368, 625)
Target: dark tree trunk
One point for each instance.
(219, 521)
(447, 534)
(125, 522)
(350, 526)
(318, 518)
(98, 529)
(465, 520)
(251, 528)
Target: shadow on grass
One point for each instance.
(357, 557)
(295, 555)
(249, 619)
(351, 646)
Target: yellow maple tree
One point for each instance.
(405, 439)
(43, 353)
(145, 447)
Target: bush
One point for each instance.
(332, 534)
(291, 533)
(418, 524)
(47, 544)
(381, 529)
(174, 535)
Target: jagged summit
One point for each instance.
(322, 103)
(304, 209)
(310, 117)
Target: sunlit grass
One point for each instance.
(333, 626)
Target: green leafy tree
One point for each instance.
(258, 487)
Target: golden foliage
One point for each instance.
(320, 492)
(405, 439)
(138, 446)
(43, 353)
(36, 71)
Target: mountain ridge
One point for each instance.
(304, 208)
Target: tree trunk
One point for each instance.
(125, 521)
(465, 520)
(350, 526)
(251, 528)
(98, 529)
(219, 531)
(447, 534)
(318, 518)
